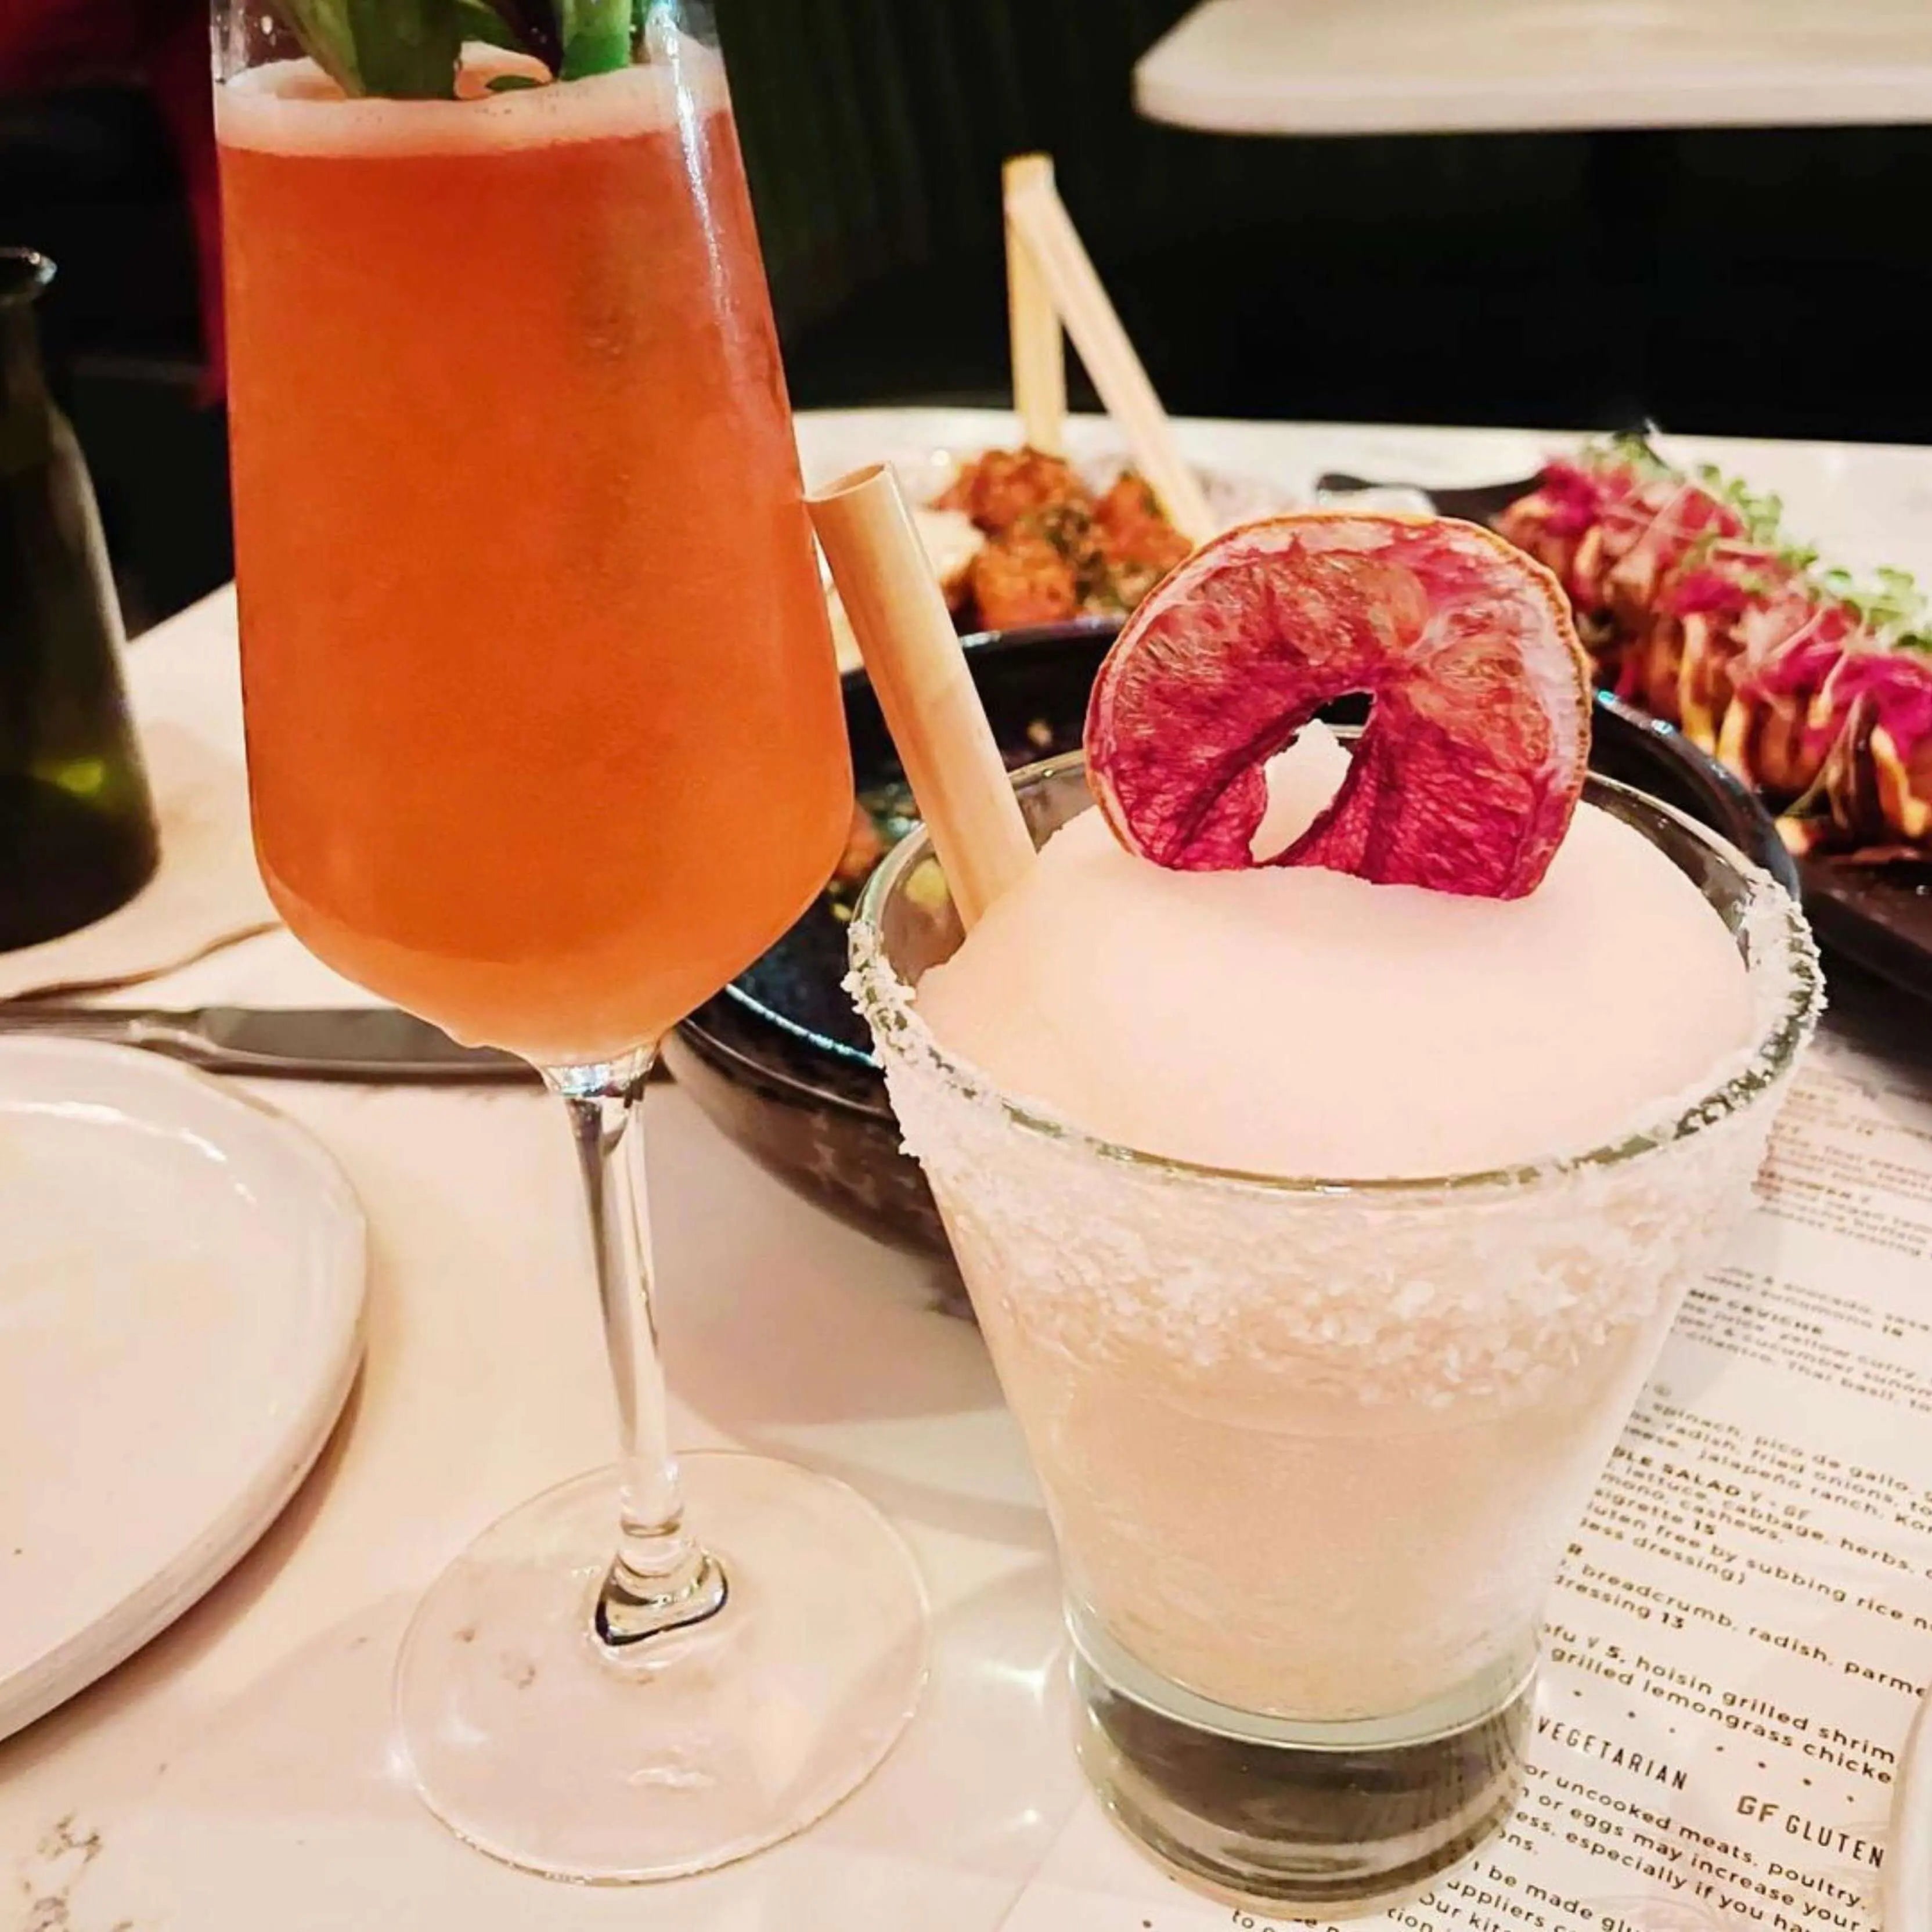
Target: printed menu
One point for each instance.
(1743, 1624)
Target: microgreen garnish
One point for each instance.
(1890, 604)
(1632, 451)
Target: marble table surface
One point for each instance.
(239, 1774)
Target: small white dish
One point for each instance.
(180, 1305)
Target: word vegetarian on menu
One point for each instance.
(1743, 1624)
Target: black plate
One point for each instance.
(780, 1061)
(1881, 915)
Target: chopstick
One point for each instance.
(1033, 322)
(1039, 230)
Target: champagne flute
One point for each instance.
(545, 744)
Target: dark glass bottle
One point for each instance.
(77, 836)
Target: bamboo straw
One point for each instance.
(1038, 349)
(1053, 247)
(913, 657)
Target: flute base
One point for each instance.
(538, 1745)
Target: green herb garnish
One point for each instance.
(323, 29)
(596, 36)
(1631, 450)
(480, 21)
(407, 49)
(411, 49)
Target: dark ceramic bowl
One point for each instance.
(780, 1061)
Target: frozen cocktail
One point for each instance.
(1325, 1209)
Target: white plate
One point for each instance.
(181, 1304)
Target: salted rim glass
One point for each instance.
(1466, 1345)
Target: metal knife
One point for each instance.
(376, 1044)
(1476, 503)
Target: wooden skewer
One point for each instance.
(913, 658)
(1038, 349)
(1053, 247)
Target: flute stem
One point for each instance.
(660, 1578)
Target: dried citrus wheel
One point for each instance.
(1473, 758)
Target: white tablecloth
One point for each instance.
(239, 1776)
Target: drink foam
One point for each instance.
(1296, 1020)
(292, 107)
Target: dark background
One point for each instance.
(1772, 282)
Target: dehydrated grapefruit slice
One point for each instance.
(1472, 759)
